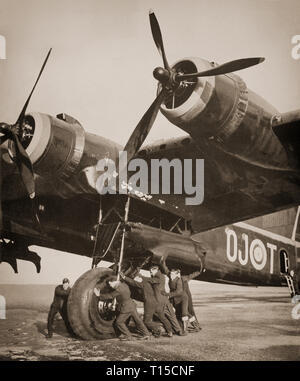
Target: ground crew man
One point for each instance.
(178, 297)
(126, 308)
(158, 281)
(151, 305)
(185, 279)
(59, 304)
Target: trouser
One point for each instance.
(170, 314)
(181, 307)
(51, 315)
(124, 316)
(151, 309)
(191, 310)
(193, 318)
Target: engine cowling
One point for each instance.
(222, 110)
(63, 153)
(55, 145)
(217, 103)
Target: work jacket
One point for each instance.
(158, 282)
(177, 292)
(60, 296)
(123, 297)
(146, 287)
(179, 287)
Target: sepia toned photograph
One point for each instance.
(150, 182)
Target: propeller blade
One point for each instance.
(227, 67)
(3, 138)
(24, 165)
(5, 130)
(143, 128)
(22, 114)
(157, 37)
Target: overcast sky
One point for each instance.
(100, 70)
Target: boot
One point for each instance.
(197, 325)
(156, 334)
(147, 337)
(194, 327)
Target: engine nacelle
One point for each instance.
(216, 103)
(55, 146)
(60, 150)
(221, 109)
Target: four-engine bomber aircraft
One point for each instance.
(49, 194)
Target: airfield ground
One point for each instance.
(239, 323)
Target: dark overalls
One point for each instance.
(186, 287)
(179, 297)
(151, 306)
(59, 304)
(177, 294)
(158, 283)
(126, 308)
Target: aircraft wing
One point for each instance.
(234, 188)
(249, 162)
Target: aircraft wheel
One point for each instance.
(296, 312)
(89, 318)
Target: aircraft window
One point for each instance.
(284, 262)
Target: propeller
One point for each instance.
(12, 132)
(157, 37)
(170, 81)
(141, 131)
(225, 68)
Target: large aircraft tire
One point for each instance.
(296, 312)
(87, 319)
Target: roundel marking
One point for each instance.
(258, 254)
